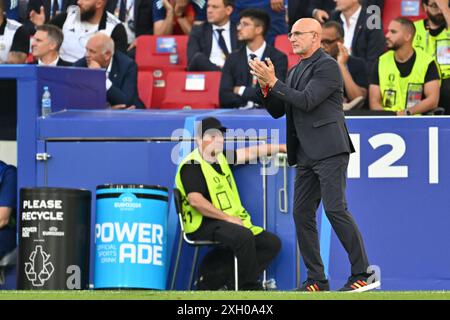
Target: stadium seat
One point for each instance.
(153, 51)
(196, 244)
(282, 43)
(393, 9)
(145, 87)
(181, 96)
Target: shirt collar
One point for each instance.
(53, 63)
(225, 27)
(258, 53)
(110, 66)
(354, 17)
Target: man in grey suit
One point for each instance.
(319, 145)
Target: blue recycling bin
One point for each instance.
(131, 237)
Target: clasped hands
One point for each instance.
(264, 71)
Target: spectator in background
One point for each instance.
(8, 203)
(238, 88)
(276, 10)
(82, 21)
(322, 10)
(209, 194)
(433, 36)
(121, 71)
(353, 69)
(210, 43)
(14, 40)
(45, 46)
(136, 16)
(51, 9)
(404, 80)
(167, 12)
(360, 39)
(297, 9)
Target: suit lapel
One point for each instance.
(208, 38)
(359, 26)
(114, 73)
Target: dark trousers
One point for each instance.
(254, 253)
(326, 180)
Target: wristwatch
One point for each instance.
(408, 113)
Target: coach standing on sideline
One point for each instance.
(319, 144)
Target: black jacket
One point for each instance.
(47, 4)
(123, 76)
(312, 102)
(367, 44)
(236, 72)
(200, 44)
(143, 15)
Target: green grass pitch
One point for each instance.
(220, 295)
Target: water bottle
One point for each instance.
(46, 102)
(173, 58)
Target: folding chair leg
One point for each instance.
(177, 262)
(194, 264)
(236, 282)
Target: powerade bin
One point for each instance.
(54, 239)
(131, 237)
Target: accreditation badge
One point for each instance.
(443, 51)
(415, 92)
(389, 98)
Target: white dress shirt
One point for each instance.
(349, 30)
(217, 56)
(54, 63)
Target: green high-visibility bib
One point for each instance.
(222, 190)
(437, 47)
(399, 93)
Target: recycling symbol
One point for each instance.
(39, 269)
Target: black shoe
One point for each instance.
(360, 283)
(311, 285)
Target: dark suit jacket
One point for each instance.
(123, 76)
(236, 72)
(60, 63)
(330, 5)
(47, 4)
(200, 44)
(312, 101)
(367, 44)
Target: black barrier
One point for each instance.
(54, 233)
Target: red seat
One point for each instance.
(393, 9)
(148, 55)
(145, 87)
(282, 43)
(178, 97)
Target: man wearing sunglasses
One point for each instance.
(319, 145)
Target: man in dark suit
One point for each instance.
(319, 144)
(45, 46)
(238, 88)
(321, 10)
(361, 39)
(210, 43)
(121, 82)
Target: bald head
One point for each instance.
(305, 36)
(100, 48)
(309, 24)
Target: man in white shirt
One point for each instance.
(45, 46)
(238, 88)
(361, 40)
(210, 43)
(80, 22)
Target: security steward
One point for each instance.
(404, 80)
(212, 209)
(433, 36)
